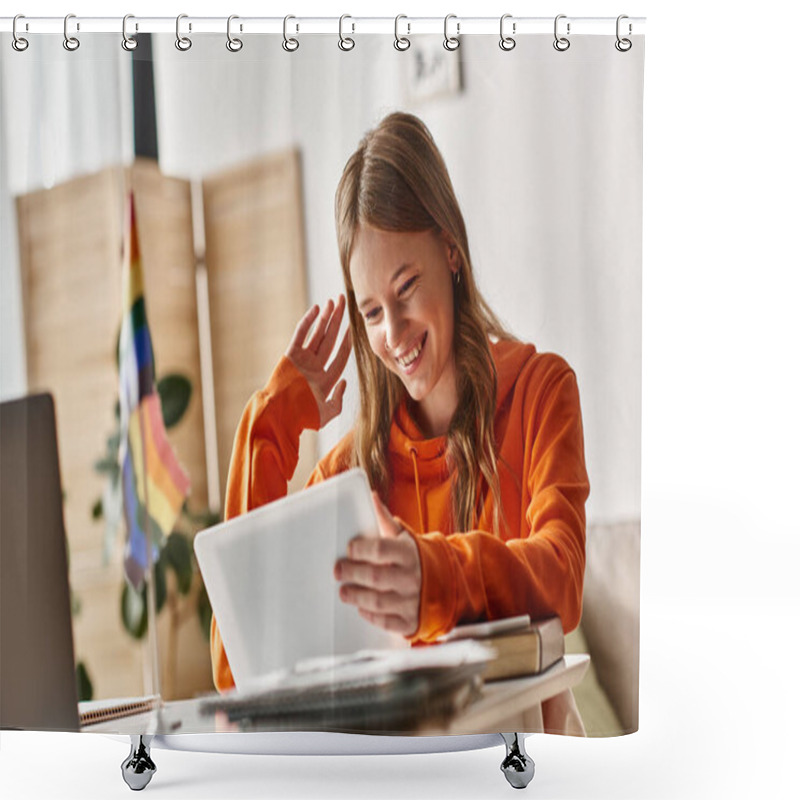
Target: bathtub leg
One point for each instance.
(138, 768)
(517, 766)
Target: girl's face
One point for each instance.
(403, 286)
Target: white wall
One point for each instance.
(545, 155)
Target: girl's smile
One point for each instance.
(403, 288)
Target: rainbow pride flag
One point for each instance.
(154, 485)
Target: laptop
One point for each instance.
(269, 577)
(38, 690)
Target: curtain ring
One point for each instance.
(233, 44)
(507, 42)
(451, 42)
(561, 43)
(345, 42)
(623, 45)
(401, 42)
(183, 43)
(129, 43)
(71, 43)
(289, 44)
(18, 42)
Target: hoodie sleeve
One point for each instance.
(539, 569)
(263, 460)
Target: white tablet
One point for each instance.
(269, 577)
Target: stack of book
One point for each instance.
(387, 691)
(521, 647)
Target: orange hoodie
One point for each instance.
(533, 566)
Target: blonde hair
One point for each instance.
(397, 181)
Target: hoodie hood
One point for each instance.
(413, 457)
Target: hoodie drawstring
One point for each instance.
(416, 483)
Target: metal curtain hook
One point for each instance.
(289, 44)
(18, 42)
(345, 42)
(183, 43)
(623, 45)
(507, 42)
(233, 44)
(451, 42)
(71, 43)
(401, 42)
(128, 42)
(561, 43)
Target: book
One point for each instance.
(521, 647)
(387, 691)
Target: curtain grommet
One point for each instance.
(19, 43)
(401, 43)
(346, 43)
(561, 43)
(233, 44)
(289, 44)
(129, 43)
(451, 42)
(71, 43)
(183, 43)
(507, 43)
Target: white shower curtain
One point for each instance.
(544, 149)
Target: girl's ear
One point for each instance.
(453, 260)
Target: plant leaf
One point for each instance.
(75, 603)
(106, 465)
(205, 518)
(97, 508)
(85, 688)
(178, 555)
(161, 584)
(134, 610)
(175, 392)
(204, 612)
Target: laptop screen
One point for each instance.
(37, 668)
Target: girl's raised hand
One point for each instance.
(310, 349)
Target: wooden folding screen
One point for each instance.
(256, 283)
(70, 260)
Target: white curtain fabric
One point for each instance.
(544, 150)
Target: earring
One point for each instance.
(457, 277)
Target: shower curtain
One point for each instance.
(232, 148)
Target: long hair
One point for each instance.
(397, 181)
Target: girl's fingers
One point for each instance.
(389, 622)
(389, 610)
(381, 578)
(333, 407)
(400, 551)
(301, 331)
(331, 331)
(321, 328)
(387, 524)
(339, 362)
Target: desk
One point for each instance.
(510, 705)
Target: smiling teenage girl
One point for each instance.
(472, 441)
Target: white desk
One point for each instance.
(510, 705)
